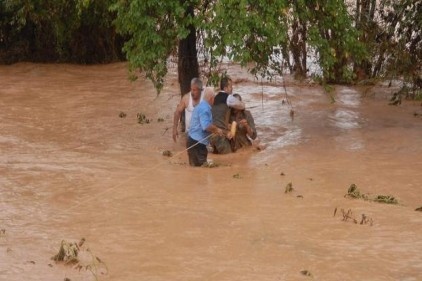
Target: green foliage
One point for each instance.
(57, 30)
(153, 28)
(355, 193)
(334, 38)
(246, 32)
(364, 40)
(391, 31)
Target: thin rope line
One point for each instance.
(131, 178)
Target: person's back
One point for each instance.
(220, 117)
(220, 110)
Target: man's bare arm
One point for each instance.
(177, 114)
(215, 130)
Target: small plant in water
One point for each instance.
(236, 176)
(289, 188)
(142, 119)
(353, 192)
(306, 273)
(70, 254)
(167, 153)
(349, 217)
(122, 114)
(160, 119)
(387, 199)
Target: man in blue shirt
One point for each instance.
(200, 130)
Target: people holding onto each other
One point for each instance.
(221, 115)
(245, 128)
(201, 126)
(187, 104)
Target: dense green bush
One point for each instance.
(77, 31)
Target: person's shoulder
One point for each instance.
(248, 113)
(186, 96)
(221, 97)
(185, 99)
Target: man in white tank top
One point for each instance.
(187, 104)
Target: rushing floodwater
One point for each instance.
(71, 168)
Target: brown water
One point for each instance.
(71, 168)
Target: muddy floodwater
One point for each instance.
(71, 167)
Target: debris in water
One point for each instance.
(2, 232)
(122, 114)
(167, 153)
(292, 114)
(348, 216)
(419, 209)
(282, 174)
(236, 176)
(210, 165)
(306, 273)
(160, 119)
(66, 279)
(288, 188)
(353, 192)
(142, 119)
(387, 199)
(81, 242)
(396, 98)
(70, 253)
(299, 196)
(365, 220)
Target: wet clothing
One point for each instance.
(242, 139)
(189, 110)
(201, 119)
(220, 144)
(220, 111)
(220, 118)
(197, 153)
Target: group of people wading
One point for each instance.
(216, 122)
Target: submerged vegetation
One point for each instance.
(349, 217)
(289, 188)
(354, 192)
(348, 41)
(70, 254)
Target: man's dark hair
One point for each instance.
(224, 82)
